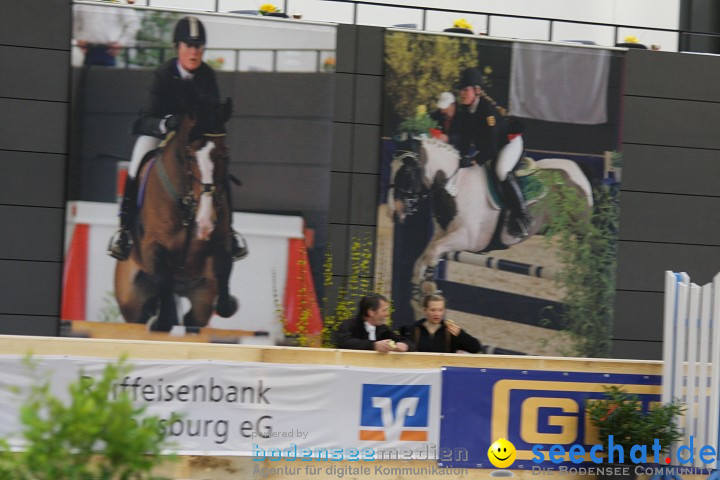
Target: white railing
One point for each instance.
(691, 347)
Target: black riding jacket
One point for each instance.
(168, 95)
(480, 134)
(442, 341)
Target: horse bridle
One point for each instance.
(186, 200)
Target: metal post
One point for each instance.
(487, 25)
(355, 13)
(550, 33)
(274, 60)
(424, 19)
(317, 62)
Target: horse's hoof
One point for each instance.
(228, 308)
(154, 325)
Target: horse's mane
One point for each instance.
(440, 151)
(208, 112)
(439, 144)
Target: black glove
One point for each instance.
(467, 161)
(172, 122)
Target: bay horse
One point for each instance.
(181, 239)
(469, 214)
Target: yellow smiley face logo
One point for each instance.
(502, 453)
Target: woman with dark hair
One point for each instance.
(435, 333)
(367, 331)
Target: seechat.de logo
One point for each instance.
(394, 413)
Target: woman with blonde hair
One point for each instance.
(435, 333)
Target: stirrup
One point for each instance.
(517, 227)
(238, 246)
(120, 245)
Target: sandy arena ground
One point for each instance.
(492, 331)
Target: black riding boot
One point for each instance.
(121, 241)
(238, 245)
(515, 197)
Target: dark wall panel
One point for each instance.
(672, 75)
(339, 242)
(356, 152)
(33, 179)
(300, 95)
(29, 325)
(364, 200)
(662, 169)
(34, 94)
(642, 265)
(33, 126)
(344, 88)
(658, 217)
(366, 148)
(36, 23)
(669, 199)
(637, 350)
(339, 197)
(368, 99)
(25, 70)
(342, 142)
(346, 49)
(293, 189)
(30, 287)
(639, 316)
(26, 232)
(671, 122)
(370, 41)
(280, 140)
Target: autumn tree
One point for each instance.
(419, 67)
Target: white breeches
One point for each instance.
(508, 157)
(143, 145)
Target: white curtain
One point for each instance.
(559, 84)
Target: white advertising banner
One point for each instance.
(259, 409)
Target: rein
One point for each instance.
(184, 196)
(186, 200)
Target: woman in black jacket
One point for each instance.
(434, 333)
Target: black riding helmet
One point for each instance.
(470, 77)
(189, 30)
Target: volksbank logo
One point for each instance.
(394, 413)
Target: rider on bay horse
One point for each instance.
(483, 133)
(164, 114)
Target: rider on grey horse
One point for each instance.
(485, 134)
(162, 115)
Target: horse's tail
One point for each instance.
(574, 173)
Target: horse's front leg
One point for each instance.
(227, 305)
(132, 291)
(423, 281)
(202, 299)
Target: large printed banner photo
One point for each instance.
(499, 188)
(259, 410)
(532, 409)
(155, 139)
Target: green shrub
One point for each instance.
(620, 414)
(94, 435)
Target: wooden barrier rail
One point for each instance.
(227, 468)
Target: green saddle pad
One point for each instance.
(531, 184)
